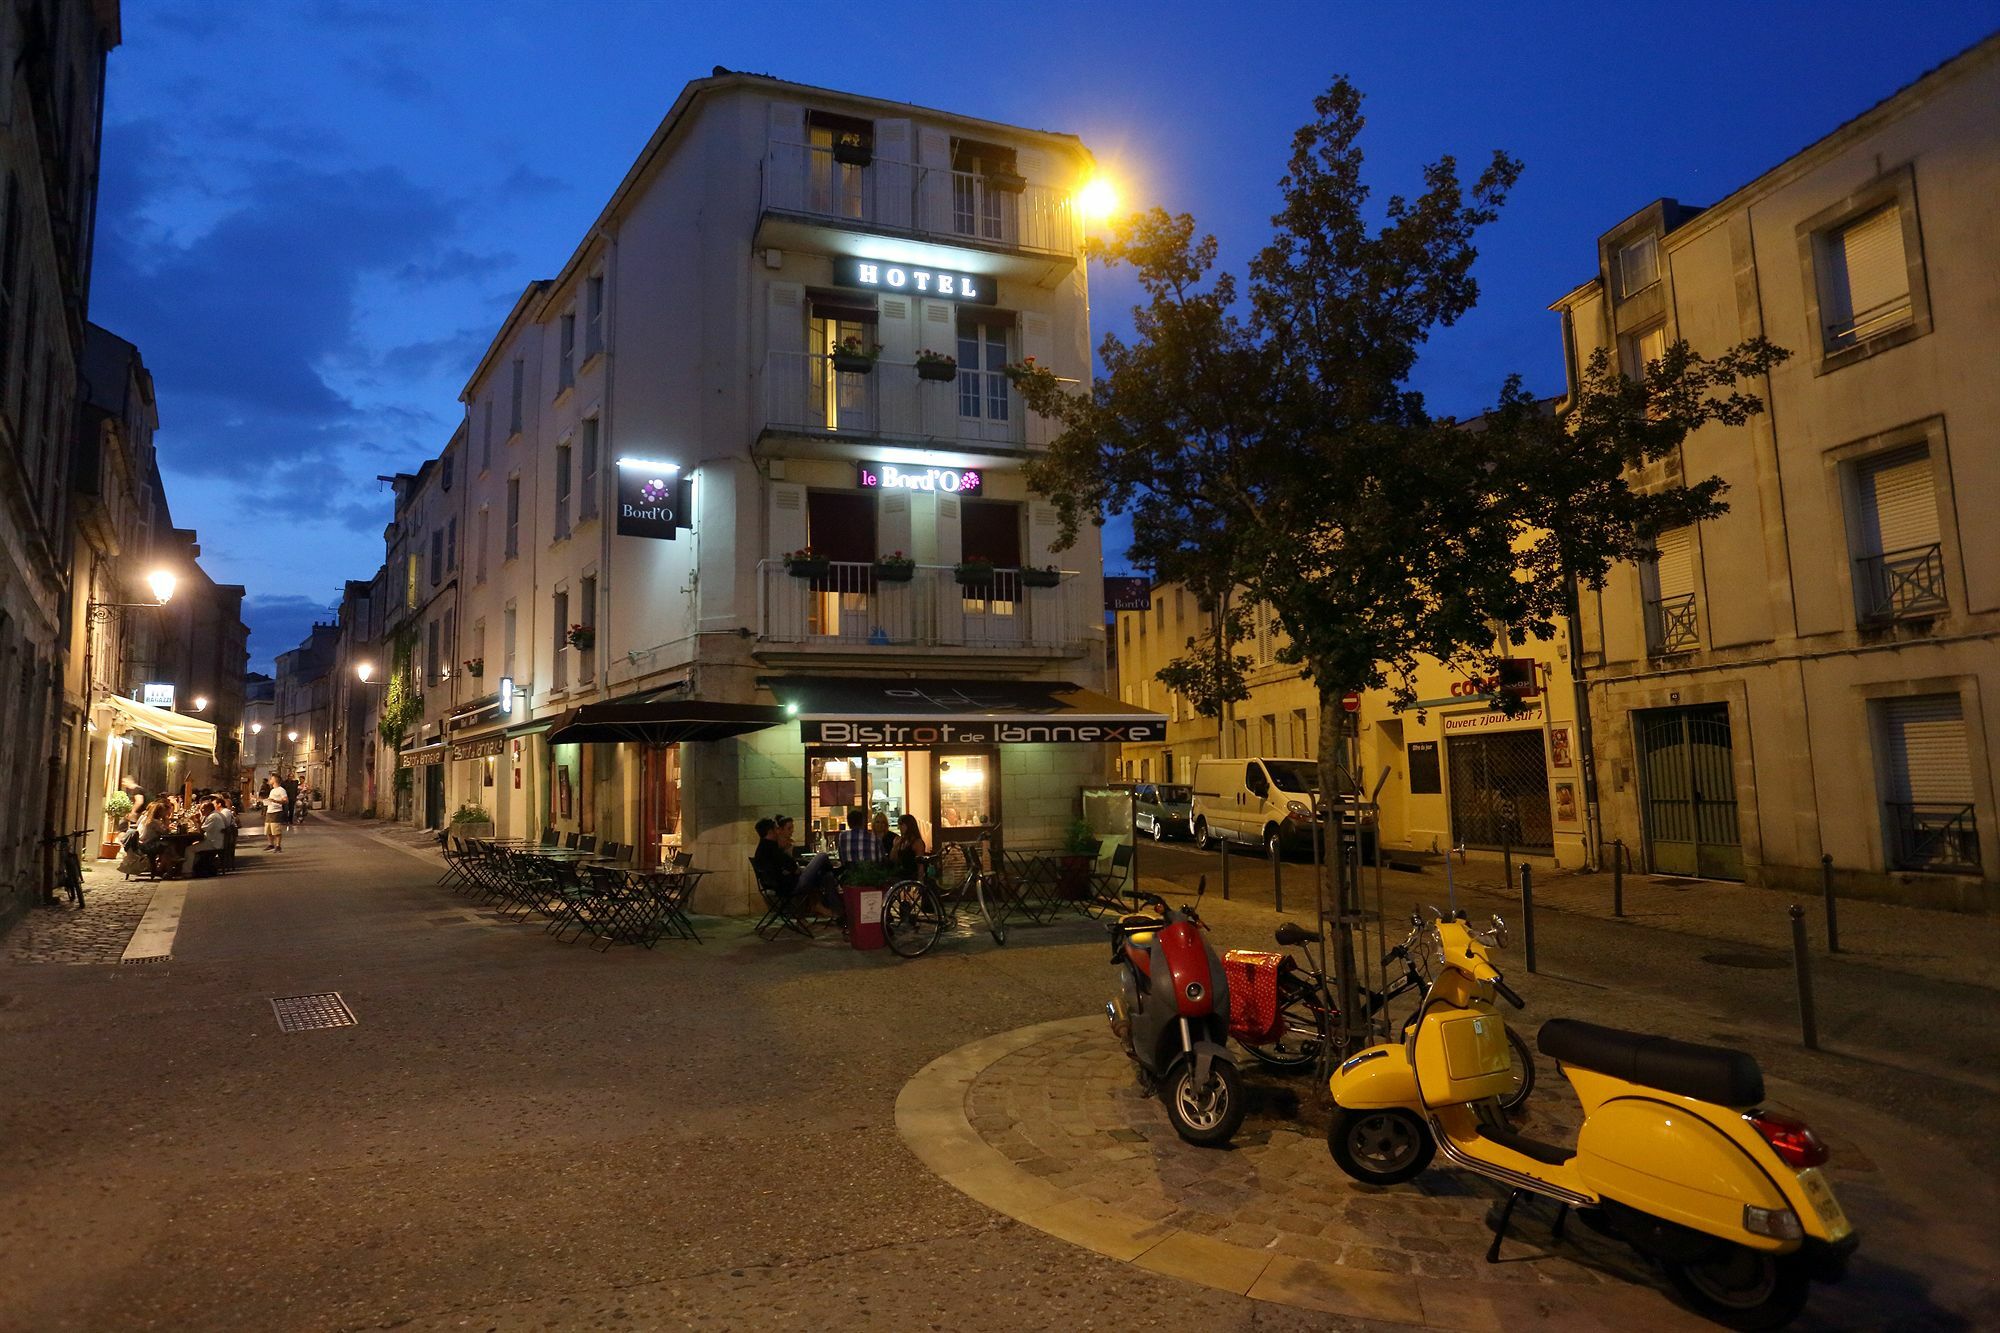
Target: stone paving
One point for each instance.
(96, 934)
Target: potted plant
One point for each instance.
(975, 571)
(855, 357)
(867, 874)
(582, 637)
(1048, 576)
(1079, 861)
(805, 563)
(117, 809)
(471, 821)
(850, 149)
(936, 366)
(475, 666)
(894, 567)
(1005, 179)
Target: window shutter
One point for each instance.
(788, 517)
(895, 182)
(1928, 760)
(1038, 341)
(1899, 502)
(933, 180)
(1043, 529)
(785, 162)
(950, 539)
(1676, 563)
(1872, 291)
(892, 525)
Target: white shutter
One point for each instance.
(787, 370)
(1898, 502)
(786, 158)
(1676, 563)
(934, 180)
(937, 331)
(1872, 287)
(1043, 529)
(892, 525)
(1928, 761)
(1038, 342)
(788, 517)
(895, 179)
(950, 546)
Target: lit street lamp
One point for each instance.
(161, 581)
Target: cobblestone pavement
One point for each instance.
(95, 934)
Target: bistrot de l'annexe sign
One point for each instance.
(875, 275)
(654, 498)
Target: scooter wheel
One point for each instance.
(1379, 1147)
(1742, 1288)
(1205, 1116)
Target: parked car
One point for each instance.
(1269, 804)
(1162, 810)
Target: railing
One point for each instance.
(850, 604)
(954, 207)
(1865, 324)
(806, 391)
(1674, 625)
(1903, 583)
(1939, 837)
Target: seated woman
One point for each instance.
(884, 840)
(909, 849)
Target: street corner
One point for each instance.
(1046, 1125)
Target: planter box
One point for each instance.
(475, 829)
(1040, 578)
(1073, 879)
(853, 154)
(807, 569)
(974, 577)
(941, 372)
(1007, 182)
(895, 573)
(584, 645)
(848, 363)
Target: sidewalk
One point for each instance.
(112, 906)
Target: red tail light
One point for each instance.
(1789, 1138)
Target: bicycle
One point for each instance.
(69, 867)
(916, 912)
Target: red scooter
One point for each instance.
(1172, 1016)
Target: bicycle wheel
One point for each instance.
(912, 917)
(1522, 1066)
(996, 924)
(73, 872)
(1307, 1026)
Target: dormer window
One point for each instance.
(1638, 265)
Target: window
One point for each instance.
(982, 370)
(1899, 566)
(410, 583)
(1638, 265)
(587, 502)
(519, 388)
(485, 540)
(1641, 349)
(840, 150)
(1865, 282)
(1673, 626)
(985, 185)
(513, 518)
(593, 314)
(562, 491)
(451, 545)
(1927, 772)
(476, 650)
(587, 616)
(559, 618)
(437, 555)
(431, 660)
(507, 626)
(450, 643)
(566, 367)
(445, 469)
(840, 400)
(486, 435)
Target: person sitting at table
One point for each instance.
(214, 840)
(777, 863)
(856, 843)
(885, 841)
(909, 851)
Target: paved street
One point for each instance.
(520, 1133)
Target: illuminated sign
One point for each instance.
(1493, 721)
(1128, 594)
(896, 477)
(156, 696)
(654, 499)
(895, 735)
(907, 279)
(506, 694)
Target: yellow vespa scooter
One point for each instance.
(1674, 1156)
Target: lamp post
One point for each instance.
(160, 582)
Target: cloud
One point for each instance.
(524, 182)
(278, 623)
(390, 73)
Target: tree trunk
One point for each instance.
(1336, 875)
(1586, 749)
(1221, 641)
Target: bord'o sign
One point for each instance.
(908, 279)
(654, 499)
(897, 477)
(1128, 594)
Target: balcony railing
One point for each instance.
(851, 606)
(1866, 324)
(1936, 837)
(1675, 627)
(935, 203)
(1902, 583)
(803, 391)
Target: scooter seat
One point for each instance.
(1705, 1073)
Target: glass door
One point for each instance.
(842, 400)
(984, 410)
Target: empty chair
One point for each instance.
(548, 837)
(587, 843)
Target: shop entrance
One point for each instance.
(659, 803)
(1687, 791)
(433, 796)
(1500, 790)
(950, 793)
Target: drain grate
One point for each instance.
(150, 958)
(307, 1013)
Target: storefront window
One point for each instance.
(965, 791)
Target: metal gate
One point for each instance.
(1500, 790)
(1687, 792)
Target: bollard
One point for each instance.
(1618, 877)
(1506, 860)
(1225, 870)
(1826, 887)
(1278, 878)
(1528, 915)
(1807, 1020)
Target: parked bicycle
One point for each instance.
(916, 912)
(69, 866)
(1309, 1007)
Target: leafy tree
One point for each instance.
(402, 702)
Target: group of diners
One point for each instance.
(167, 832)
(811, 884)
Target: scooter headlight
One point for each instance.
(1777, 1223)
(1195, 990)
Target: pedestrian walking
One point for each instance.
(291, 786)
(275, 801)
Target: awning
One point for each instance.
(661, 721)
(175, 729)
(844, 710)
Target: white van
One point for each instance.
(1263, 802)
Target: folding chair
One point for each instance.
(1114, 883)
(587, 843)
(780, 912)
(548, 837)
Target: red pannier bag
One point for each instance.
(1253, 995)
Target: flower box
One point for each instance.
(939, 372)
(853, 363)
(974, 575)
(895, 571)
(811, 567)
(1041, 578)
(852, 152)
(582, 637)
(1006, 182)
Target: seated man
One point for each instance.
(214, 840)
(857, 843)
(776, 864)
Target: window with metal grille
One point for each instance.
(566, 369)
(1867, 278)
(587, 479)
(1899, 568)
(1928, 807)
(513, 517)
(1673, 625)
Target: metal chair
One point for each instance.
(783, 908)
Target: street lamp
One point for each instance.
(161, 581)
(200, 702)
(256, 728)
(1098, 199)
(364, 671)
(292, 736)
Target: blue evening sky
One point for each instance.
(314, 213)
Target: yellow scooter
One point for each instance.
(1674, 1156)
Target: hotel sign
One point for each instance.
(896, 477)
(873, 275)
(654, 500)
(155, 695)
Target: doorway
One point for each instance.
(1687, 791)
(840, 526)
(433, 796)
(991, 530)
(1500, 790)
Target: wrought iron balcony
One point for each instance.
(807, 393)
(1902, 583)
(851, 606)
(1939, 837)
(1674, 626)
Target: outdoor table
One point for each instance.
(172, 857)
(1026, 882)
